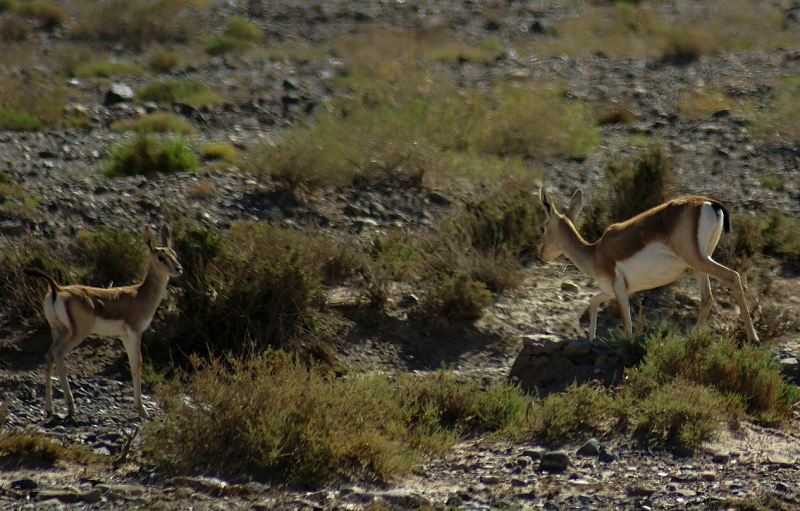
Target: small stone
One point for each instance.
(721, 457)
(570, 287)
(708, 475)
(554, 461)
(781, 461)
(490, 479)
(607, 456)
(639, 490)
(590, 448)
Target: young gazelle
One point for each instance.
(645, 252)
(75, 312)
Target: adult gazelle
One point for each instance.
(650, 250)
(75, 312)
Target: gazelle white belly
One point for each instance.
(657, 265)
(108, 328)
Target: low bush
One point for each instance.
(249, 288)
(271, 417)
(114, 257)
(147, 155)
(20, 296)
(678, 396)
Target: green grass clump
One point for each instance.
(156, 122)
(147, 155)
(271, 418)
(106, 69)
(458, 297)
(13, 119)
(224, 151)
(187, 91)
(21, 107)
(31, 449)
(115, 257)
(239, 34)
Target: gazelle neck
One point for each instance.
(155, 283)
(577, 249)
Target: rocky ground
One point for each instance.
(713, 155)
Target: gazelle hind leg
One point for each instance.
(706, 297)
(732, 281)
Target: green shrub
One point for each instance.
(164, 60)
(746, 373)
(156, 122)
(29, 112)
(187, 91)
(271, 417)
(580, 411)
(684, 415)
(13, 119)
(147, 155)
(457, 297)
(105, 69)
(114, 257)
(218, 151)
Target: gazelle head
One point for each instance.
(555, 230)
(163, 259)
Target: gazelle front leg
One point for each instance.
(133, 346)
(597, 299)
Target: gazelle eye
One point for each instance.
(161, 259)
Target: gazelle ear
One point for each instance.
(549, 208)
(575, 205)
(148, 239)
(166, 235)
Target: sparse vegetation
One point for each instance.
(631, 188)
(679, 396)
(271, 415)
(135, 24)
